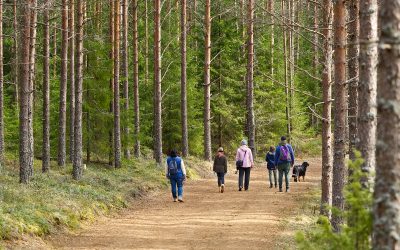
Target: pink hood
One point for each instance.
(244, 154)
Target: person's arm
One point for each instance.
(277, 152)
(237, 155)
(251, 158)
(166, 168)
(183, 167)
(225, 165)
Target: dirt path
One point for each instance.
(207, 220)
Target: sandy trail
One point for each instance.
(207, 220)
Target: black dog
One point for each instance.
(300, 170)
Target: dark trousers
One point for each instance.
(221, 179)
(246, 173)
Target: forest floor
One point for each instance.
(260, 218)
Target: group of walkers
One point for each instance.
(278, 159)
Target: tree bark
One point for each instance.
(62, 119)
(1, 87)
(146, 48)
(136, 76)
(250, 75)
(367, 120)
(353, 72)
(386, 227)
(271, 9)
(340, 103)
(77, 164)
(25, 90)
(315, 39)
(15, 26)
(184, 115)
(71, 26)
(111, 35)
(327, 157)
(157, 83)
(207, 82)
(46, 90)
(287, 111)
(117, 119)
(125, 74)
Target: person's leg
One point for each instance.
(247, 178)
(219, 179)
(241, 173)
(270, 178)
(287, 171)
(179, 182)
(280, 177)
(173, 187)
(275, 178)
(222, 180)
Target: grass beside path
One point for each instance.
(55, 201)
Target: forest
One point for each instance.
(111, 85)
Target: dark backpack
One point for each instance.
(239, 163)
(172, 167)
(284, 154)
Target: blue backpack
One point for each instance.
(173, 167)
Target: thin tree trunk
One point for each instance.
(146, 49)
(157, 83)
(271, 9)
(291, 67)
(340, 103)
(77, 164)
(315, 39)
(32, 73)
(125, 74)
(71, 25)
(207, 82)
(184, 115)
(327, 157)
(117, 119)
(62, 119)
(136, 77)
(1, 87)
(353, 72)
(288, 127)
(250, 75)
(111, 30)
(15, 26)
(25, 90)
(386, 227)
(367, 120)
(46, 90)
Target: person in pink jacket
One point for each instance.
(244, 163)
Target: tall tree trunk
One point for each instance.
(327, 157)
(315, 39)
(250, 75)
(32, 73)
(386, 228)
(111, 34)
(136, 75)
(291, 67)
(117, 120)
(367, 120)
(353, 72)
(146, 49)
(207, 82)
(288, 127)
(15, 26)
(62, 119)
(184, 115)
(77, 164)
(340, 103)
(25, 90)
(46, 90)
(271, 9)
(157, 83)
(71, 26)
(1, 87)
(125, 74)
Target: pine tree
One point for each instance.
(184, 115)
(250, 76)
(1, 87)
(136, 75)
(207, 82)
(117, 122)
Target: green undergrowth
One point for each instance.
(55, 201)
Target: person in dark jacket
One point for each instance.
(220, 167)
(270, 159)
(284, 159)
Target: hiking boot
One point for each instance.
(276, 185)
(240, 188)
(280, 190)
(270, 186)
(287, 190)
(219, 189)
(222, 188)
(175, 199)
(180, 199)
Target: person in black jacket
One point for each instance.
(220, 167)
(270, 159)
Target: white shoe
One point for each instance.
(222, 188)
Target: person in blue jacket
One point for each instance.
(175, 171)
(284, 159)
(270, 159)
